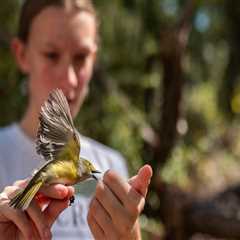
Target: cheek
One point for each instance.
(41, 82)
(89, 69)
(83, 81)
(84, 76)
(47, 76)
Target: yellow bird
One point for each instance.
(58, 142)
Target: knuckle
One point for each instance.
(100, 189)
(20, 183)
(93, 209)
(16, 183)
(109, 176)
(94, 205)
(10, 191)
(136, 206)
(135, 210)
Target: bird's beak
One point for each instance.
(93, 172)
(93, 176)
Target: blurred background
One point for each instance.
(166, 92)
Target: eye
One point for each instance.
(53, 56)
(81, 57)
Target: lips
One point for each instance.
(71, 101)
(71, 97)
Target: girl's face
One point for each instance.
(60, 53)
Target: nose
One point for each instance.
(69, 77)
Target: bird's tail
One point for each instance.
(25, 196)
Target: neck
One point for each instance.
(29, 122)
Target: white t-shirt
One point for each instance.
(18, 159)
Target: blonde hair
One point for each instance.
(31, 8)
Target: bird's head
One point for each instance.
(89, 169)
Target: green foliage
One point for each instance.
(125, 91)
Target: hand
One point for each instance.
(32, 223)
(117, 204)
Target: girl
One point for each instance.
(56, 47)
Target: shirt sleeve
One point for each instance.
(3, 173)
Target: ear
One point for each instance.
(19, 50)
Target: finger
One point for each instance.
(130, 198)
(108, 199)
(117, 185)
(11, 191)
(57, 191)
(135, 204)
(103, 219)
(42, 201)
(39, 220)
(141, 181)
(96, 230)
(111, 204)
(21, 183)
(35, 235)
(123, 217)
(20, 219)
(57, 206)
(54, 209)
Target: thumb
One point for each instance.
(141, 181)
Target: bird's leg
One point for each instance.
(72, 199)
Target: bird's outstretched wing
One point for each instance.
(56, 126)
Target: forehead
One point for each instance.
(59, 27)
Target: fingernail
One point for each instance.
(47, 234)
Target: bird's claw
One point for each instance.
(71, 200)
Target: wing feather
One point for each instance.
(56, 126)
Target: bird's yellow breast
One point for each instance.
(63, 171)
